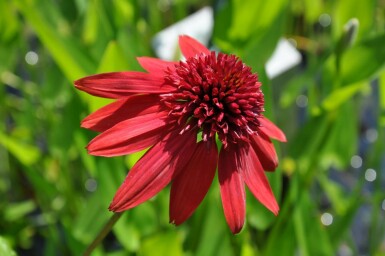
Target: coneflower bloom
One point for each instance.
(182, 111)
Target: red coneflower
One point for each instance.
(179, 109)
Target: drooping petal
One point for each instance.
(191, 47)
(129, 136)
(154, 65)
(191, 185)
(121, 84)
(154, 170)
(271, 130)
(256, 180)
(265, 151)
(232, 188)
(120, 110)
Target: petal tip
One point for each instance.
(276, 212)
(83, 124)
(190, 47)
(274, 207)
(115, 206)
(237, 229)
(79, 82)
(174, 222)
(271, 130)
(182, 37)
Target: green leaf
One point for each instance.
(236, 29)
(94, 213)
(17, 211)
(71, 59)
(248, 250)
(295, 86)
(342, 224)
(341, 95)
(306, 143)
(299, 229)
(282, 234)
(162, 244)
(113, 60)
(25, 153)
(335, 194)
(91, 24)
(243, 15)
(5, 249)
(213, 237)
(345, 10)
(312, 237)
(258, 215)
(9, 22)
(342, 141)
(127, 233)
(123, 12)
(363, 60)
(133, 158)
(313, 9)
(261, 47)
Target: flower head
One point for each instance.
(178, 109)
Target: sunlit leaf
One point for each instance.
(253, 39)
(346, 9)
(25, 153)
(341, 143)
(112, 61)
(162, 244)
(339, 96)
(363, 60)
(5, 249)
(335, 194)
(9, 24)
(19, 210)
(71, 59)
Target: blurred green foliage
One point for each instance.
(54, 197)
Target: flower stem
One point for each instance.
(103, 233)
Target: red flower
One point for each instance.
(178, 109)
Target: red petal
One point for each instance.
(271, 130)
(154, 171)
(121, 84)
(265, 151)
(256, 180)
(120, 110)
(232, 188)
(191, 185)
(191, 47)
(154, 65)
(129, 136)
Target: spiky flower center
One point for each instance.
(217, 93)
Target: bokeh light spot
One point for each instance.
(301, 101)
(371, 135)
(356, 162)
(326, 219)
(325, 20)
(91, 185)
(370, 175)
(31, 58)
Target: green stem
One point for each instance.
(103, 233)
